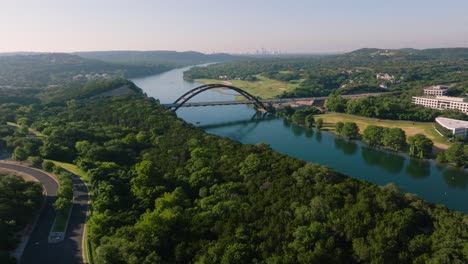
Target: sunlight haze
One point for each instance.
(231, 26)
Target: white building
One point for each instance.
(442, 102)
(436, 90)
(454, 126)
(385, 76)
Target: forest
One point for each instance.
(50, 69)
(20, 200)
(39, 70)
(172, 59)
(167, 192)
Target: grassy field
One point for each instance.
(265, 88)
(410, 128)
(37, 133)
(72, 168)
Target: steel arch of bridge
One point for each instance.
(188, 95)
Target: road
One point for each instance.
(38, 250)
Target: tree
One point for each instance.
(420, 146)
(19, 201)
(142, 137)
(350, 130)
(62, 204)
(309, 120)
(394, 138)
(299, 117)
(336, 103)
(441, 157)
(144, 184)
(339, 127)
(455, 154)
(288, 110)
(319, 123)
(48, 165)
(373, 135)
(36, 161)
(22, 131)
(20, 154)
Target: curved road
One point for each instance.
(38, 250)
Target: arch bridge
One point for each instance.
(181, 101)
(260, 104)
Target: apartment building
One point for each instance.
(442, 102)
(436, 90)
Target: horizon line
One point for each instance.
(230, 53)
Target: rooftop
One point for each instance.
(436, 87)
(451, 123)
(443, 98)
(451, 98)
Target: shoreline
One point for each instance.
(378, 147)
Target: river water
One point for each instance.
(431, 181)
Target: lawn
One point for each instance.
(35, 132)
(264, 88)
(73, 169)
(410, 128)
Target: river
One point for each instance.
(429, 180)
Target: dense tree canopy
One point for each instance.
(19, 202)
(166, 192)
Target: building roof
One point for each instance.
(451, 98)
(436, 88)
(443, 98)
(451, 123)
(425, 97)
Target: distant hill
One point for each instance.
(20, 53)
(53, 68)
(439, 53)
(171, 58)
(452, 53)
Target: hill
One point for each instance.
(37, 70)
(410, 53)
(171, 58)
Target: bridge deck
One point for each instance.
(273, 101)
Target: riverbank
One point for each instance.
(264, 87)
(410, 128)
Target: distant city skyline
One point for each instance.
(242, 26)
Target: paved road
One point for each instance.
(38, 250)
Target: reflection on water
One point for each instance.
(455, 179)
(348, 147)
(297, 130)
(318, 136)
(418, 168)
(309, 133)
(391, 162)
(255, 119)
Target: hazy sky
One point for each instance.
(231, 26)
